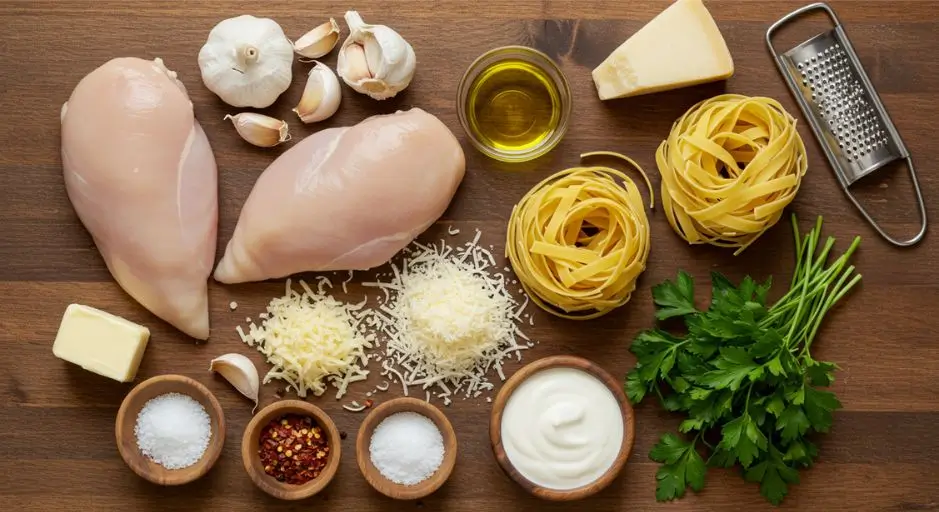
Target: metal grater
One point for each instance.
(844, 111)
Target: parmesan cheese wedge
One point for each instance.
(682, 46)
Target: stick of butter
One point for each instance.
(681, 46)
(100, 342)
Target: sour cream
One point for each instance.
(562, 428)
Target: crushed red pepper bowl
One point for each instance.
(250, 450)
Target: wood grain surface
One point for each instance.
(57, 448)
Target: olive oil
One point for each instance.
(513, 106)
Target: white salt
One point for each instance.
(173, 430)
(406, 448)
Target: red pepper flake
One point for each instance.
(293, 449)
(368, 403)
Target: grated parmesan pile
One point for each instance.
(311, 339)
(447, 320)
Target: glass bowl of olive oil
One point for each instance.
(514, 103)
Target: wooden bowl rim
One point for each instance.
(140, 463)
(578, 363)
(371, 473)
(252, 461)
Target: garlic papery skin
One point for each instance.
(389, 60)
(247, 61)
(319, 41)
(260, 130)
(321, 95)
(240, 372)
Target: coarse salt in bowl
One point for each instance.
(406, 448)
(138, 435)
(383, 441)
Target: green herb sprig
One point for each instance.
(743, 374)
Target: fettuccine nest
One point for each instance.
(729, 167)
(579, 240)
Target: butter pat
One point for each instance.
(101, 342)
(681, 46)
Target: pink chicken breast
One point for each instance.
(141, 175)
(346, 198)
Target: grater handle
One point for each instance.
(920, 204)
(771, 31)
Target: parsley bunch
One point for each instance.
(743, 373)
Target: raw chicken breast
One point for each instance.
(345, 198)
(140, 173)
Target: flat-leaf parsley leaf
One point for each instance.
(743, 373)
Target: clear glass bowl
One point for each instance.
(535, 58)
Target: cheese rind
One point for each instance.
(100, 342)
(682, 46)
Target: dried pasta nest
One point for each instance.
(729, 167)
(579, 240)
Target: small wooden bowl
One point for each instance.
(579, 363)
(127, 420)
(386, 486)
(252, 459)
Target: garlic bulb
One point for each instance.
(260, 130)
(247, 61)
(321, 95)
(240, 372)
(319, 41)
(375, 60)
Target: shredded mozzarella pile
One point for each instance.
(448, 321)
(311, 339)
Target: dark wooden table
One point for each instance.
(57, 446)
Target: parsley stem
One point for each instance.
(814, 290)
(798, 238)
(655, 386)
(840, 290)
(746, 403)
(705, 441)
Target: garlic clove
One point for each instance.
(319, 41)
(357, 65)
(260, 130)
(321, 95)
(375, 60)
(240, 372)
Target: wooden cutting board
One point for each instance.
(57, 446)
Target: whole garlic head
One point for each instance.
(375, 60)
(247, 61)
